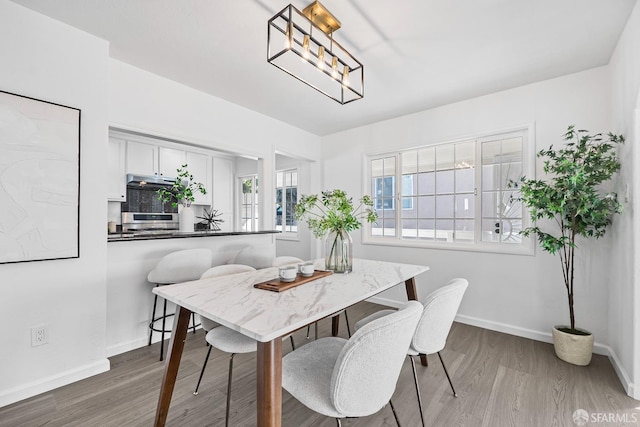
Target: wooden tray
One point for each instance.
(276, 285)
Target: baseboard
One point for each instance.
(622, 375)
(34, 388)
(128, 346)
(385, 301)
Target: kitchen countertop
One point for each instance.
(123, 237)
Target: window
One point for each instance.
(451, 195)
(249, 203)
(286, 200)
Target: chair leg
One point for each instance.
(204, 365)
(415, 380)
(164, 318)
(308, 331)
(447, 374)
(193, 322)
(293, 344)
(315, 334)
(153, 316)
(394, 413)
(339, 423)
(226, 418)
(346, 318)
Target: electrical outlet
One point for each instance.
(39, 335)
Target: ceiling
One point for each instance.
(417, 54)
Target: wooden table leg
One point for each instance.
(172, 363)
(335, 325)
(269, 381)
(412, 294)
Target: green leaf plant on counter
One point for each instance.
(572, 198)
(183, 189)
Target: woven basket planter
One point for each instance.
(574, 349)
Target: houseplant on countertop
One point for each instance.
(182, 191)
(331, 215)
(573, 200)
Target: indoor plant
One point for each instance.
(211, 218)
(331, 215)
(577, 207)
(182, 191)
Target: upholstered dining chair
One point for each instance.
(352, 378)
(223, 338)
(440, 309)
(291, 260)
(176, 267)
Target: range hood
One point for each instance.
(153, 180)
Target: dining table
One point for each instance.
(267, 316)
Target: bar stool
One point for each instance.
(176, 267)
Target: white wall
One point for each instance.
(624, 297)
(47, 60)
(523, 295)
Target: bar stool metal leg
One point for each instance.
(195, 392)
(226, 419)
(447, 374)
(415, 381)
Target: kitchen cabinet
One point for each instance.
(222, 199)
(142, 158)
(199, 165)
(116, 176)
(171, 159)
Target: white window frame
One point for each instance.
(255, 220)
(284, 234)
(526, 247)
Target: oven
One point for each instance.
(149, 223)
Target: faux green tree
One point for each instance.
(183, 189)
(572, 198)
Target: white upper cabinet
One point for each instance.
(116, 176)
(171, 159)
(142, 158)
(199, 165)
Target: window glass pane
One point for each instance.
(426, 183)
(389, 166)
(465, 180)
(490, 152)
(491, 177)
(410, 162)
(294, 179)
(376, 168)
(444, 181)
(444, 207)
(426, 207)
(444, 230)
(490, 204)
(464, 231)
(465, 155)
(287, 179)
(409, 207)
(512, 149)
(511, 230)
(465, 206)
(409, 229)
(445, 156)
(408, 185)
(491, 230)
(511, 171)
(279, 179)
(427, 159)
(426, 229)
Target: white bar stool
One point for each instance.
(176, 267)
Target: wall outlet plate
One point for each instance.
(39, 335)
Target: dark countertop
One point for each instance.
(123, 237)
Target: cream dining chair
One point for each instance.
(440, 309)
(342, 378)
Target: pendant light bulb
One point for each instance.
(288, 36)
(305, 46)
(321, 57)
(345, 76)
(334, 67)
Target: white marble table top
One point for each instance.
(263, 315)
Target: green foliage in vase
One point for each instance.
(333, 211)
(572, 197)
(183, 189)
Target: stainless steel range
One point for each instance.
(149, 223)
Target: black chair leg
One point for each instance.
(447, 374)
(308, 331)
(195, 393)
(338, 421)
(164, 319)
(415, 380)
(226, 418)
(293, 344)
(394, 413)
(347, 320)
(153, 316)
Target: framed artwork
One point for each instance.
(39, 180)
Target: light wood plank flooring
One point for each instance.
(501, 380)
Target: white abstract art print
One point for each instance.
(39, 180)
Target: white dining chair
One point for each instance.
(440, 309)
(291, 260)
(223, 338)
(342, 378)
(176, 267)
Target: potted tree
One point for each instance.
(182, 191)
(332, 216)
(576, 207)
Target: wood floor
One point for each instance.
(501, 380)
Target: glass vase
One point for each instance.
(338, 252)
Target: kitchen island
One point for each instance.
(130, 257)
